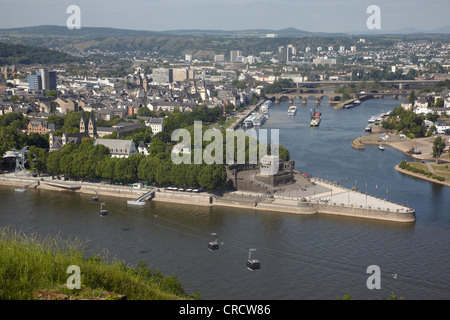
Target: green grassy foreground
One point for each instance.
(30, 262)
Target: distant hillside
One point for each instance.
(96, 32)
(24, 54)
(177, 43)
(86, 32)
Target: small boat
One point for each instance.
(350, 105)
(315, 119)
(292, 111)
(252, 264)
(20, 189)
(381, 147)
(103, 212)
(213, 245)
(369, 128)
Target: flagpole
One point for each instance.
(366, 193)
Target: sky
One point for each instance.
(159, 15)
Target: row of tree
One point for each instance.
(89, 162)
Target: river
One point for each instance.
(302, 257)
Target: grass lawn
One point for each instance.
(442, 170)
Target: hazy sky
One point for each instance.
(157, 15)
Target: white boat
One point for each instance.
(259, 120)
(249, 121)
(350, 105)
(369, 128)
(20, 189)
(292, 111)
(265, 106)
(381, 147)
(357, 102)
(372, 119)
(264, 109)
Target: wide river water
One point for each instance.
(302, 257)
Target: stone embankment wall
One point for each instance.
(406, 215)
(205, 199)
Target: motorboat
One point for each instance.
(292, 111)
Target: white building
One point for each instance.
(441, 126)
(143, 149)
(118, 148)
(156, 124)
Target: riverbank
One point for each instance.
(421, 176)
(404, 145)
(320, 196)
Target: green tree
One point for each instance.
(412, 97)
(346, 96)
(439, 103)
(144, 111)
(52, 93)
(37, 158)
(124, 171)
(438, 147)
(147, 169)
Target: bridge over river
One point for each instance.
(298, 94)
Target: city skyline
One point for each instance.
(319, 16)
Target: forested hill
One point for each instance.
(24, 54)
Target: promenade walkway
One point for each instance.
(339, 195)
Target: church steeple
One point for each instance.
(92, 126)
(83, 124)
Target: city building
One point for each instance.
(219, 58)
(162, 75)
(234, 54)
(285, 53)
(324, 61)
(156, 124)
(42, 80)
(40, 126)
(48, 79)
(180, 74)
(143, 149)
(118, 148)
(34, 82)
